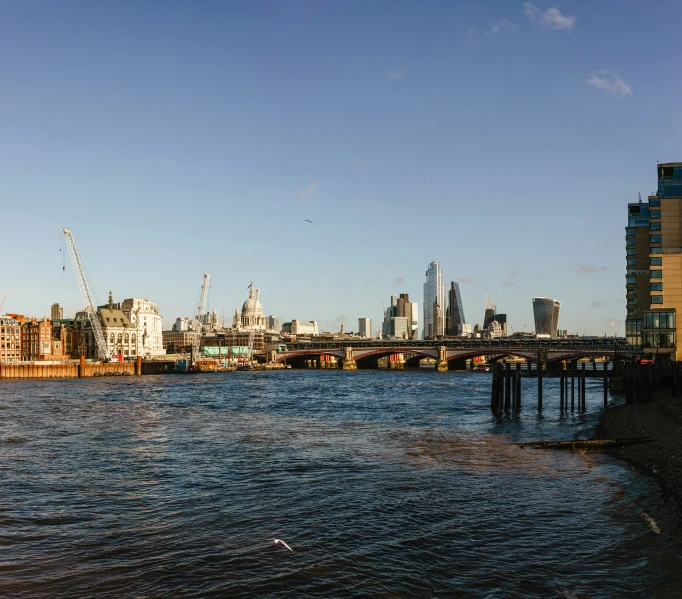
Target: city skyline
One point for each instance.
(260, 117)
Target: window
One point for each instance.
(654, 214)
(629, 231)
(630, 251)
(655, 250)
(659, 320)
(655, 238)
(632, 262)
(655, 274)
(654, 202)
(655, 227)
(629, 242)
(630, 280)
(656, 261)
(631, 301)
(632, 271)
(656, 299)
(656, 286)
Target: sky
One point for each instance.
(501, 138)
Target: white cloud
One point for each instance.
(469, 37)
(588, 268)
(397, 282)
(613, 323)
(609, 82)
(395, 75)
(464, 280)
(550, 19)
(310, 189)
(502, 26)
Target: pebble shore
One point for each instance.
(661, 420)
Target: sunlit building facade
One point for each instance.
(434, 295)
(546, 314)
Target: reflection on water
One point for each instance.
(385, 484)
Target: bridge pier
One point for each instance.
(442, 363)
(348, 362)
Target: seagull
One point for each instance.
(283, 543)
(309, 221)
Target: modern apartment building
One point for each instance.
(56, 312)
(434, 295)
(653, 242)
(546, 314)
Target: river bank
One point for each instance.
(661, 420)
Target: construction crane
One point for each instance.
(199, 318)
(2, 304)
(101, 345)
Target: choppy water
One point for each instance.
(386, 484)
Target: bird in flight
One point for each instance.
(283, 543)
(309, 221)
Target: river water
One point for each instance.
(385, 484)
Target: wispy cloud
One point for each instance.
(550, 19)
(610, 82)
(503, 26)
(464, 280)
(309, 190)
(340, 319)
(469, 36)
(612, 323)
(597, 304)
(397, 282)
(508, 283)
(589, 268)
(395, 75)
(358, 165)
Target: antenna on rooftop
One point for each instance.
(639, 195)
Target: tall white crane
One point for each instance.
(90, 309)
(199, 318)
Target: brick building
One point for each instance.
(37, 342)
(10, 339)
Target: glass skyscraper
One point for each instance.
(434, 298)
(455, 312)
(546, 313)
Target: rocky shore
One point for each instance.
(661, 420)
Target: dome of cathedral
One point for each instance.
(252, 306)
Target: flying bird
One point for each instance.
(309, 221)
(283, 543)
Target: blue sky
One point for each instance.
(503, 139)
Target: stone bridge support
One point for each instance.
(348, 362)
(442, 363)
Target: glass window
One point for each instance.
(656, 261)
(629, 242)
(632, 262)
(630, 251)
(630, 280)
(655, 250)
(632, 271)
(655, 227)
(654, 203)
(654, 214)
(656, 286)
(656, 299)
(632, 311)
(655, 274)
(655, 238)
(631, 301)
(629, 231)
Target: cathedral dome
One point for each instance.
(252, 306)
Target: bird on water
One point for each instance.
(283, 543)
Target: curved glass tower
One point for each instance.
(546, 313)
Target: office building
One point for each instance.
(56, 312)
(546, 314)
(10, 339)
(653, 242)
(145, 318)
(401, 308)
(489, 314)
(273, 323)
(434, 293)
(365, 327)
(454, 316)
(501, 319)
(300, 327)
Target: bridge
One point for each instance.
(450, 354)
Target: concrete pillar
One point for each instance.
(348, 361)
(81, 367)
(138, 366)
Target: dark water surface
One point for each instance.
(386, 484)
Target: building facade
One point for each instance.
(434, 293)
(653, 242)
(489, 314)
(10, 339)
(145, 318)
(37, 342)
(454, 316)
(56, 312)
(301, 328)
(365, 328)
(546, 315)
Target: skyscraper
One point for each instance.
(400, 316)
(434, 292)
(489, 315)
(653, 244)
(365, 327)
(56, 312)
(546, 314)
(455, 311)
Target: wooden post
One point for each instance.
(539, 383)
(507, 386)
(81, 367)
(494, 393)
(518, 387)
(583, 389)
(561, 389)
(572, 384)
(606, 391)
